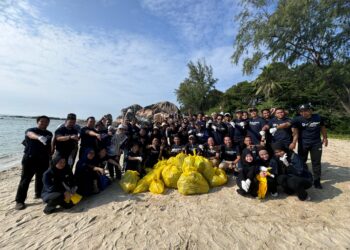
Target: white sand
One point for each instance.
(219, 220)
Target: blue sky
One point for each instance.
(94, 57)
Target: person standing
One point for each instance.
(255, 126)
(67, 138)
(89, 136)
(35, 160)
(309, 127)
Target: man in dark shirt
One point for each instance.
(310, 127)
(35, 160)
(229, 155)
(89, 136)
(67, 138)
(288, 136)
(240, 128)
(255, 126)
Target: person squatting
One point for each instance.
(246, 145)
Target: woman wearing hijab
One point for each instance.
(246, 177)
(87, 173)
(59, 184)
(293, 175)
(265, 160)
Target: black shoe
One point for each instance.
(49, 210)
(20, 206)
(241, 192)
(317, 184)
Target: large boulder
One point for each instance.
(155, 112)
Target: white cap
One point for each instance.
(121, 126)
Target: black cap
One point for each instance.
(306, 106)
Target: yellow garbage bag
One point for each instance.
(219, 179)
(188, 164)
(192, 183)
(199, 163)
(143, 184)
(208, 171)
(156, 187)
(129, 181)
(171, 175)
(180, 159)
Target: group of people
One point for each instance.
(243, 144)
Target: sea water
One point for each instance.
(12, 132)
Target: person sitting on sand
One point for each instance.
(59, 185)
(230, 155)
(265, 160)
(36, 159)
(87, 173)
(293, 175)
(211, 152)
(247, 170)
(176, 148)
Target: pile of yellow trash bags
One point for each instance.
(190, 174)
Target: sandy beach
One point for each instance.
(219, 220)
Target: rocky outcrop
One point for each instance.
(155, 112)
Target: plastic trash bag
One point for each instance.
(129, 181)
(156, 187)
(219, 179)
(171, 175)
(188, 164)
(208, 171)
(192, 183)
(143, 184)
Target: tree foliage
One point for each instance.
(296, 32)
(194, 91)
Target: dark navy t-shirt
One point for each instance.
(65, 147)
(284, 135)
(255, 125)
(88, 141)
(35, 147)
(229, 153)
(309, 129)
(239, 132)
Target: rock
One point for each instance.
(155, 112)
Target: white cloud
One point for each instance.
(205, 22)
(54, 70)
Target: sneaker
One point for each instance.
(317, 184)
(274, 194)
(20, 206)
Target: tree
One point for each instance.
(294, 32)
(194, 91)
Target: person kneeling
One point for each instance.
(59, 186)
(293, 175)
(247, 171)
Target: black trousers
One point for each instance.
(31, 165)
(315, 153)
(113, 169)
(294, 184)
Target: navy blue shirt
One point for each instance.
(309, 129)
(239, 132)
(229, 153)
(88, 141)
(35, 147)
(255, 125)
(65, 148)
(284, 135)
